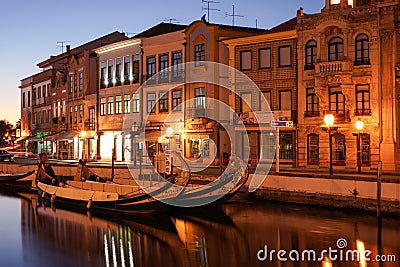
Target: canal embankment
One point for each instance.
(342, 191)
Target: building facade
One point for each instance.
(270, 61)
(204, 136)
(347, 56)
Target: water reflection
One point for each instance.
(231, 236)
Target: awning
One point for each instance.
(33, 139)
(21, 139)
(67, 135)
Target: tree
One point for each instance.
(5, 126)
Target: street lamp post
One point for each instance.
(83, 136)
(359, 127)
(134, 133)
(329, 119)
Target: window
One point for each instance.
(362, 50)
(285, 100)
(285, 56)
(127, 69)
(110, 107)
(76, 114)
(365, 149)
(264, 58)
(135, 71)
(80, 112)
(39, 92)
(335, 49)
(151, 102)
(163, 61)
(336, 101)
(176, 100)
(70, 114)
(44, 116)
(23, 100)
(91, 119)
(102, 106)
(75, 82)
(267, 148)
(29, 99)
(312, 108)
(339, 147)
(127, 104)
(199, 55)
(71, 83)
(163, 101)
(118, 104)
(80, 81)
(118, 71)
(362, 100)
(48, 90)
(151, 67)
(177, 67)
(267, 100)
(199, 102)
(313, 149)
(286, 145)
(311, 55)
(245, 60)
(245, 102)
(136, 103)
(103, 74)
(110, 73)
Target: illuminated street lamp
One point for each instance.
(359, 127)
(329, 120)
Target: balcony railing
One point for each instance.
(333, 66)
(198, 112)
(170, 77)
(311, 113)
(362, 112)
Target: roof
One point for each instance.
(288, 25)
(159, 29)
(239, 28)
(103, 40)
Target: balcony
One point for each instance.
(198, 112)
(341, 116)
(333, 67)
(165, 77)
(362, 112)
(256, 117)
(311, 113)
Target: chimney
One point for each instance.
(68, 47)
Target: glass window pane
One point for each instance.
(245, 60)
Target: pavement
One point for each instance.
(284, 170)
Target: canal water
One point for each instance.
(241, 233)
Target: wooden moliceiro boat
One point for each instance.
(8, 177)
(113, 196)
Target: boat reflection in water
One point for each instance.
(231, 236)
(57, 237)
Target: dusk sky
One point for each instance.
(30, 30)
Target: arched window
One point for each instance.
(335, 49)
(339, 149)
(313, 149)
(311, 54)
(362, 50)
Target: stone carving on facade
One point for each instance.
(397, 72)
(310, 129)
(322, 94)
(59, 79)
(333, 79)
